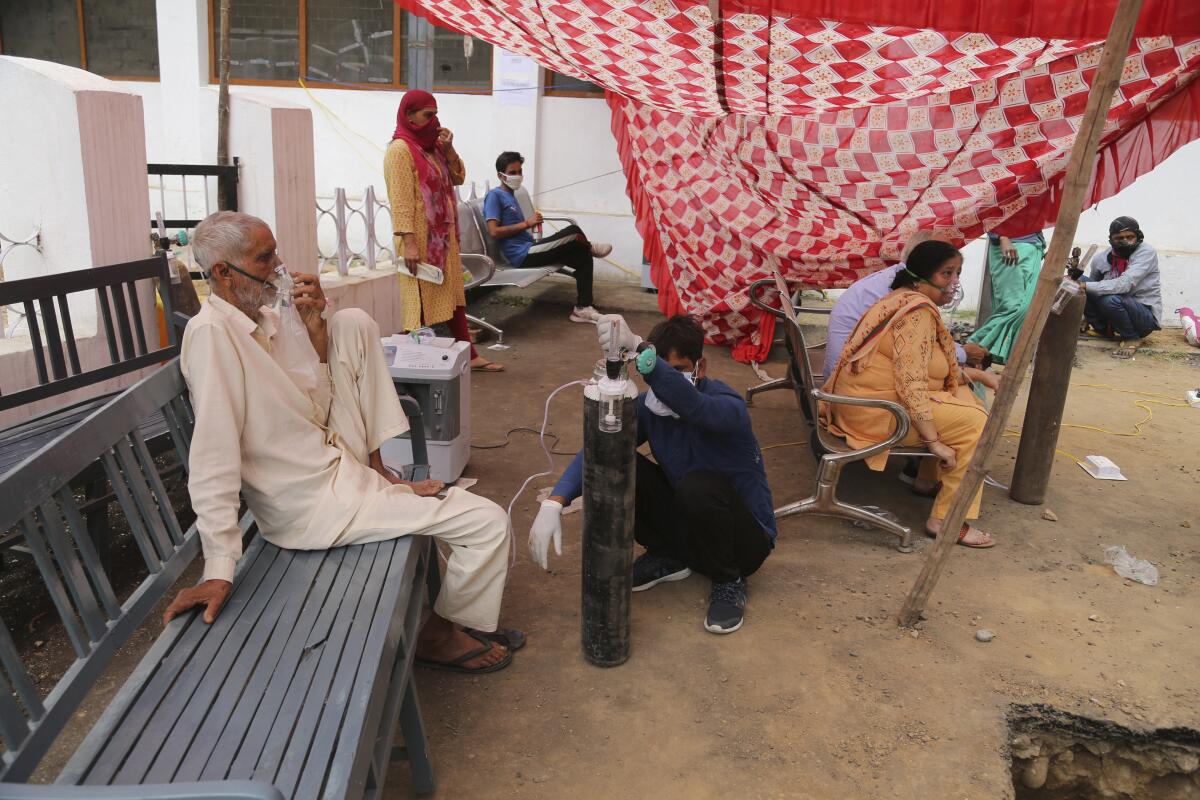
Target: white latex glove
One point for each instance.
(625, 337)
(546, 525)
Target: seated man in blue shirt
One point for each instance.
(705, 505)
(507, 224)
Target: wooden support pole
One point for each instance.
(1043, 412)
(1075, 184)
(223, 90)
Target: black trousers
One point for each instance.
(702, 522)
(561, 248)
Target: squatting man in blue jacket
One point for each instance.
(705, 504)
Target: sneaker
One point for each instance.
(726, 606)
(585, 314)
(649, 571)
(601, 250)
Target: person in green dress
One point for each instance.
(1013, 265)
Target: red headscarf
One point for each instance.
(433, 172)
(424, 137)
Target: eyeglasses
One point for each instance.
(270, 288)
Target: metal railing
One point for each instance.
(7, 246)
(343, 213)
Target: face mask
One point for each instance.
(1125, 249)
(277, 292)
(512, 181)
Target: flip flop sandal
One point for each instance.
(456, 665)
(1124, 353)
(491, 366)
(962, 534)
(512, 639)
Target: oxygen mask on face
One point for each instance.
(277, 292)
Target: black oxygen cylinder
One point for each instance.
(608, 505)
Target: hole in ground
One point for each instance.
(1061, 756)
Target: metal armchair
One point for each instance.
(833, 452)
(816, 351)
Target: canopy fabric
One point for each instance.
(776, 134)
(833, 197)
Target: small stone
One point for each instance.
(1096, 701)
(915, 634)
(1121, 683)
(539, 779)
(1094, 617)
(984, 635)
(1185, 524)
(853, 654)
(1049, 516)
(38, 643)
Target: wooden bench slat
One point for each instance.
(10, 659)
(351, 758)
(165, 511)
(106, 315)
(355, 674)
(91, 559)
(54, 586)
(139, 700)
(134, 474)
(86, 603)
(64, 309)
(288, 743)
(267, 736)
(58, 361)
(215, 650)
(224, 672)
(116, 480)
(225, 728)
(139, 328)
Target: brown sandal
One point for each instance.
(962, 534)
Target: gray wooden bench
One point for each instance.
(62, 363)
(294, 691)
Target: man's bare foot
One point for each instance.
(441, 641)
(969, 537)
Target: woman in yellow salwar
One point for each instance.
(420, 168)
(901, 351)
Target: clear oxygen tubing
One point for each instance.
(512, 541)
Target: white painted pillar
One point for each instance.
(273, 139)
(188, 116)
(73, 161)
(74, 165)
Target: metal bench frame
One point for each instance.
(357, 735)
(832, 452)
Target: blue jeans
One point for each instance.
(1119, 315)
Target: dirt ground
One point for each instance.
(821, 695)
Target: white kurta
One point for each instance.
(299, 457)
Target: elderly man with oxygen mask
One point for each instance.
(291, 409)
(705, 505)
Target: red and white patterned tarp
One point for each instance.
(820, 146)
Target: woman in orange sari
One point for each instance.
(901, 351)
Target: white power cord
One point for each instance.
(512, 541)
